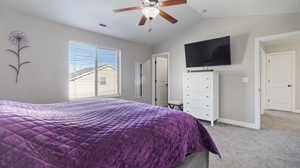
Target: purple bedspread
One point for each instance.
(103, 133)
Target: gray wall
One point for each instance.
(236, 97)
(46, 79)
(289, 46)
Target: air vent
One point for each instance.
(102, 25)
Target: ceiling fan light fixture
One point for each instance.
(150, 12)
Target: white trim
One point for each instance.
(237, 123)
(153, 74)
(257, 86)
(120, 72)
(153, 80)
(294, 80)
(278, 36)
(95, 97)
(263, 79)
(257, 72)
(297, 111)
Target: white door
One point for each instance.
(161, 82)
(280, 81)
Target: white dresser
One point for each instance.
(201, 95)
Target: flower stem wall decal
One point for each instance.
(18, 39)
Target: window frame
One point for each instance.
(97, 47)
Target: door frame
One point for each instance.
(264, 74)
(258, 69)
(153, 74)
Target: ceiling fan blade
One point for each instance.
(127, 9)
(172, 2)
(168, 17)
(143, 20)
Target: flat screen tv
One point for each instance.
(208, 53)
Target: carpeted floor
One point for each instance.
(277, 145)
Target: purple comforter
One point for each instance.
(103, 133)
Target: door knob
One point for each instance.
(289, 85)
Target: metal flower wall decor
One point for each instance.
(18, 39)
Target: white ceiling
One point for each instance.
(224, 8)
(87, 14)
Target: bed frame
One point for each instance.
(196, 160)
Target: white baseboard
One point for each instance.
(237, 123)
(297, 110)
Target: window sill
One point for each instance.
(96, 97)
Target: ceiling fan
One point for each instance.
(151, 9)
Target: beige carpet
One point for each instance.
(277, 145)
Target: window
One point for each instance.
(93, 71)
(139, 80)
(108, 72)
(102, 81)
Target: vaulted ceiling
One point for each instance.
(88, 14)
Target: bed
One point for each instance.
(102, 133)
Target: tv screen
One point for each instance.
(208, 53)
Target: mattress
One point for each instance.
(102, 133)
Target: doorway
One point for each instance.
(160, 79)
(276, 86)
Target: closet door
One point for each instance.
(280, 72)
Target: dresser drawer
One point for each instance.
(197, 80)
(200, 113)
(198, 87)
(190, 96)
(200, 79)
(199, 76)
(198, 105)
(204, 105)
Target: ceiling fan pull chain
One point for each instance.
(150, 25)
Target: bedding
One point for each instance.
(102, 133)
